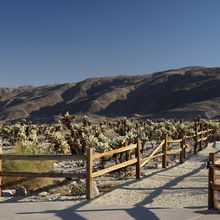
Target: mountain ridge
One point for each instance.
(177, 93)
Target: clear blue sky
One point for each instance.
(56, 41)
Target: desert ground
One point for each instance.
(178, 191)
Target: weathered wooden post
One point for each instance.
(164, 149)
(138, 156)
(211, 180)
(182, 154)
(0, 171)
(207, 136)
(200, 142)
(196, 142)
(184, 145)
(213, 135)
(89, 178)
(196, 128)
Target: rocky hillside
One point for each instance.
(180, 93)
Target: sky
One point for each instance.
(60, 41)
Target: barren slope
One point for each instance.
(181, 93)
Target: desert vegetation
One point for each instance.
(68, 137)
(72, 138)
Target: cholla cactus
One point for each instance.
(68, 137)
(91, 141)
(131, 136)
(58, 143)
(118, 142)
(86, 121)
(101, 147)
(1, 142)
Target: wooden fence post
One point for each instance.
(184, 147)
(164, 149)
(138, 156)
(211, 179)
(213, 133)
(182, 150)
(89, 178)
(207, 138)
(196, 142)
(0, 171)
(212, 136)
(200, 143)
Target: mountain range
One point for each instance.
(178, 93)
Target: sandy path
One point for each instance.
(180, 186)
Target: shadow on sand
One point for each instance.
(84, 209)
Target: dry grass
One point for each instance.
(106, 187)
(26, 166)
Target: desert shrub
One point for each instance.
(106, 187)
(78, 190)
(27, 148)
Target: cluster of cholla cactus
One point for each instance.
(68, 137)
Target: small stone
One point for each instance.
(53, 191)
(74, 183)
(98, 182)
(7, 193)
(56, 165)
(20, 191)
(81, 181)
(145, 173)
(95, 191)
(43, 193)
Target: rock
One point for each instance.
(74, 183)
(95, 191)
(98, 182)
(146, 172)
(94, 183)
(64, 166)
(20, 191)
(43, 193)
(81, 181)
(8, 193)
(56, 165)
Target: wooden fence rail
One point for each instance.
(90, 158)
(213, 165)
(41, 157)
(34, 174)
(160, 151)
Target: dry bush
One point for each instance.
(106, 187)
(23, 148)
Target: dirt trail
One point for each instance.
(179, 186)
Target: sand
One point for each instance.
(177, 186)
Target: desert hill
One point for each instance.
(180, 93)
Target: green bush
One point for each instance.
(78, 190)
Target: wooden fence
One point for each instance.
(39, 157)
(91, 157)
(213, 165)
(202, 137)
(160, 151)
